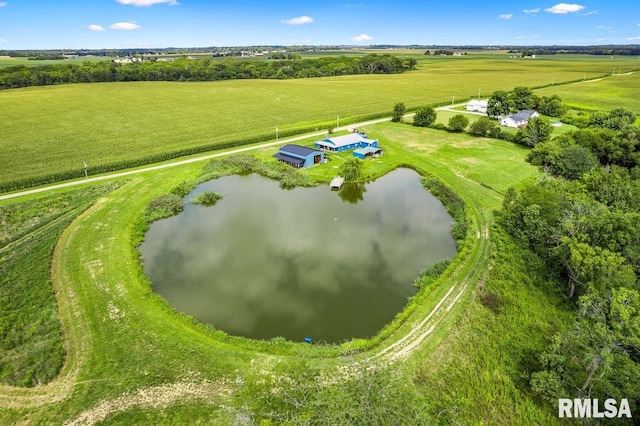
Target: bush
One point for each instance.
(430, 274)
(483, 126)
(398, 112)
(424, 117)
(458, 123)
(206, 199)
(165, 205)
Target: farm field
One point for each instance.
(132, 358)
(615, 91)
(48, 132)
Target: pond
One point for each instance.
(266, 262)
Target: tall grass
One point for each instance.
(31, 346)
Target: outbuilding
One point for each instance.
(368, 151)
(299, 156)
(346, 142)
(477, 105)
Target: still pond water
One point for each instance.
(267, 262)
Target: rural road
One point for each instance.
(204, 157)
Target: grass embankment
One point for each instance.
(127, 343)
(31, 347)
(50, 131)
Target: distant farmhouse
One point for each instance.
(520, 119)
(299, 156)
(477, 105)
(346, 142)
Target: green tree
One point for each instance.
(589, 360)
(538, 130)
(398, 112)
(619, 118)
(482, 126)
(424, 117)
(523, 98)
(351, 169)
(551, 106)
(499, 104)
(458, 123)
(574, 161)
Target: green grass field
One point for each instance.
(127, 347)
(53, 130)
(460, 351)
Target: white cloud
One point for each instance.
(94, 27)
(506, 16)
(521, 37)
(300, 20)
(125, 26)
(633, 38)
(536, 10)
(3, 4)
(146, 3)
(362, 37)
(564, 8)
(3, 40)
(593, 12)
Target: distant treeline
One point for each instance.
(184, 69)
(581, 50)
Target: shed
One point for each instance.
(368, 151)
(346, 142)
(299, 156)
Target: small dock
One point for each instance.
(336, 183)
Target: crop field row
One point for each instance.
(50, 131)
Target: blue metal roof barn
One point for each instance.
(299, 156)
(346, 142)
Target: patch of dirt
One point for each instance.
(154, 397)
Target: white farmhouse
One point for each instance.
(520, 119)
(477, 105)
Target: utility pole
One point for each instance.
(337, 121)
(276, 133)
(86, 175)
(452, 99)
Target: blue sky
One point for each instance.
(75, 24)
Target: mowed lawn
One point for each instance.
(53, 130)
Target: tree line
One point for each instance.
(185, 69)
(582, 218)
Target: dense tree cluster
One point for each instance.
(184, 69)
(584, 221)
(503, 103)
